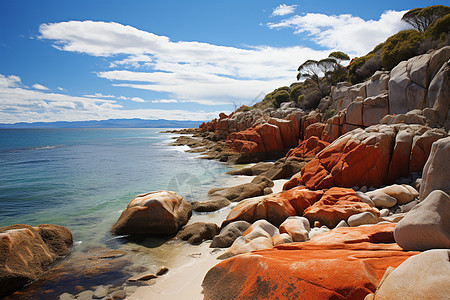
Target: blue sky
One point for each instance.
(183, 60)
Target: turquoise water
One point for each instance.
(83, 178)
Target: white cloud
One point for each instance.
(189, 71)
(100, 95)
(345, 32)
(165, 101)
(137, 99)
(37, 86)
(9, 81)
(19, 103)
(283, 10)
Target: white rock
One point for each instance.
(436, 172)
(362, 219)
(422, 276)
(427, 225)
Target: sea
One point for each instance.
(84, 178)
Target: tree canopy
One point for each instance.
(325, 72)
(422, 18)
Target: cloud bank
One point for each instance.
(347, 33)
(19, 103)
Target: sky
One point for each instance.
(176, 60)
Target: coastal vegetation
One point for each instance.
(431, 30)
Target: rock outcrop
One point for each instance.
(436, 174)
(26, 252)
(423, 276)
(154, 213)
(427, 225)
(308, 148)
(369, 157)
(421, 82)
(274, 208)
(345, 263)
(335, 205)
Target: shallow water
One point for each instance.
(83, 178)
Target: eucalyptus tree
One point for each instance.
(422, 18)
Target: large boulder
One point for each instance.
(367, 157)
(261, 138)
(229, 234)
(345, 263)
(274, 208)
(427, 225)
(337, 204)
(154, 213)
(198, 232)
(391, 195)
(297, 228)
(436, 172)
(423, 276)
(258, 236)
(26, 252)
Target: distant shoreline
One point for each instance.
(111, 123)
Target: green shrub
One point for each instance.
(280, 96)
(399, 47)
(296, 92)
(439, 27)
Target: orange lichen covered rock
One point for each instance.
(345, 263)
(308, 148)
(368, 157)
(262, 138)
(337, 204)
(275, 208)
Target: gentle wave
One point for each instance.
(48, 147)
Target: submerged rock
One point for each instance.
(26, 252)
(154, 213)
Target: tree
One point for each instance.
(329, 68)
(422, 18)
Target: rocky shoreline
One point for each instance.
(350, 206)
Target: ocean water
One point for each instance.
(84, 178)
